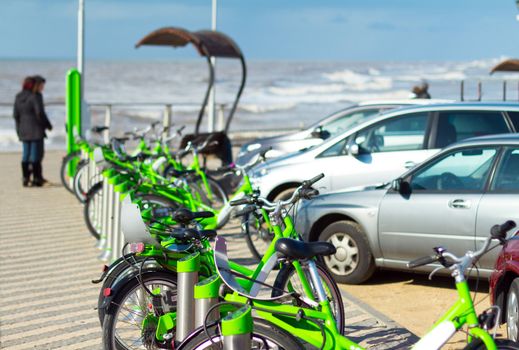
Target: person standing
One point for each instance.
(31, 122)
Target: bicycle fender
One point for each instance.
(120, 285)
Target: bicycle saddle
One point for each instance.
(296, 249)
(184, 216)
(188, 234)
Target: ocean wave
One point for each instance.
(265, 108)
(360, 82)
(439, 76)
(306, 89)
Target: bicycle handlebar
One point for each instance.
(303, 191)
(422, 261)
(496, 232)
(499, 231)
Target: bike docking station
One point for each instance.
(108, 209)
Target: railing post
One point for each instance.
(167, 119)
(220, 116)
(462, 90)
(480, 90)
(504, 90)
(108, 121)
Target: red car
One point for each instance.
(504, 286)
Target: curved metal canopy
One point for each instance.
(511, 65)
(208, 44)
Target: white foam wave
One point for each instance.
(360, 82)
(446, 75)
(306, 89)
(264, 108)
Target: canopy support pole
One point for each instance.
(212, 95)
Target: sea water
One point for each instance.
(278, 94)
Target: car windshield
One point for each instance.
(347, 121)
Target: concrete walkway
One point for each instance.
(48, 259)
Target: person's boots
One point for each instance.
(37, 177)
(26, 173)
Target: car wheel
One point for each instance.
(353, 262)
(285, 194)
(512, 311)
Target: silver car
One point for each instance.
(326, 128)
(381, 147)
(450, 200)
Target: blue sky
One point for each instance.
(358, 30)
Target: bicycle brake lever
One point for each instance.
(434, 271)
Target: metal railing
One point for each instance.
(505, 84)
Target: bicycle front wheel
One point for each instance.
(257, 235)
(264, 336)
(130, 308)
(288, 280)
(64, 177)
(92, 209)
(502, 344)
(80, 191)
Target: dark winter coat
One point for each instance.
(30, 117)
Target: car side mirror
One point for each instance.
(320, 133)
(354, 149)
(401, 186)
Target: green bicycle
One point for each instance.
(318, 328)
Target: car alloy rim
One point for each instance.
(512, 311)
(346, 259)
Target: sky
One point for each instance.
(355, 30)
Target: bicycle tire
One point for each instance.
(263, 331)
(112, 336)
(502, 344)
(257, 235)
(331, 288)
(63, 172)
(77, 187)
(219, 195)
(94, 191)
(116, 270)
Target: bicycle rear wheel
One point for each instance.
(264, 336)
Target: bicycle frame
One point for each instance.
(461, 313)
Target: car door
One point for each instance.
(385, 150)
(439, 208)
(500, 202)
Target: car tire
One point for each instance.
(353, 263)
(285, 194)
(512, 311)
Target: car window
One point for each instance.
(514, 116)
(403, 133)
(462, 170)
(343, 123)
(507, 175)
(337, 149)
(458, 125)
